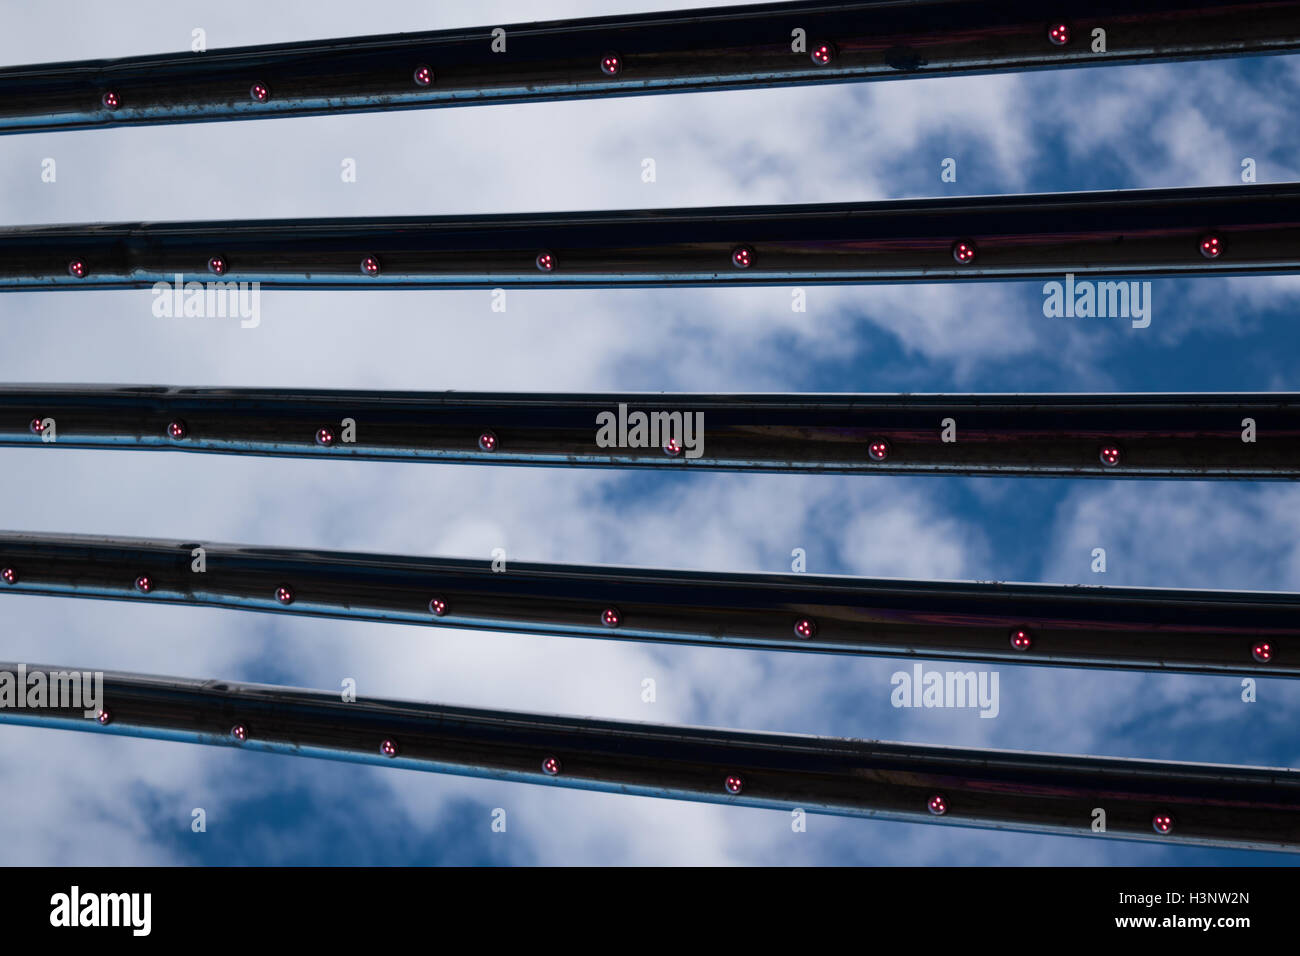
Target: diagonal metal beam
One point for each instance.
(1200, 436)
(1236, 230)
(1212, 632)
(1177, 803)
(760, 45)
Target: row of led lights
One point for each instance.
(742, 257)
(611, 64)
(732, 783)
(805, 628)
(877, 450)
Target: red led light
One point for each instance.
(217, 266)
(423, 75)
(1262, 652)
(36, 426)
(144, 584)
(733, 784)
(283, 594)
(938, 805)
(9, 575)
(1162, 823)
(611, 64)
(370, 266)
(964, 252)
(325, 436)
(111, 100)
(1211, 247)
(487, 441)
(1109, 455)
(742, 257)
(805, 627)
(77, 269)
(437, 607)
(259, 92)
(1059, 34)
(104, 717)
(239, 732)
(177, 430)
(878, 450)
(610, 617)
(822, 54)
(672, 447)
(388, 748)
(550, 766)
(1021, 640)
(545, 261)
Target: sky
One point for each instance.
(68, 798)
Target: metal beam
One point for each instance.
(1213, 632)
(1199, 436)
(751, 46)
(1176, 803)
(1234, 230)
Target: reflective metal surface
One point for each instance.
(1133, 628)
(1207, 805)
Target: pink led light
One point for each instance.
(104, 717)
(1211, 247)
(1262, 652)
(423, 75)
(487, 441)
(1109, 455)
(822, 54)
(1162, 823)
(805, 627)
(325, 436)
(239, 732)
(1021, 640)
(672, 448)
(611, 617)
(734, 784)
(1059, 34)
(9, 575)
(388, 748)
(964, 252)
(370, 266)
(178, 430)
(259, 92)
(144, 584)
(551, 766)
(546, 262)
(611, 64)
(77, 269)
(217, 266)
(742, 257)
(878, 450)
(938, 805)
(437, 607)
(36, 426)
(283, 594)
(111, 100)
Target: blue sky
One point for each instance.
(65, 798)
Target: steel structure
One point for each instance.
(1236, 230)
(1199, 436)
(1216, 632)
(762, 45)
(1199, 804)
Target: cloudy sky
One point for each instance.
(67, 798)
